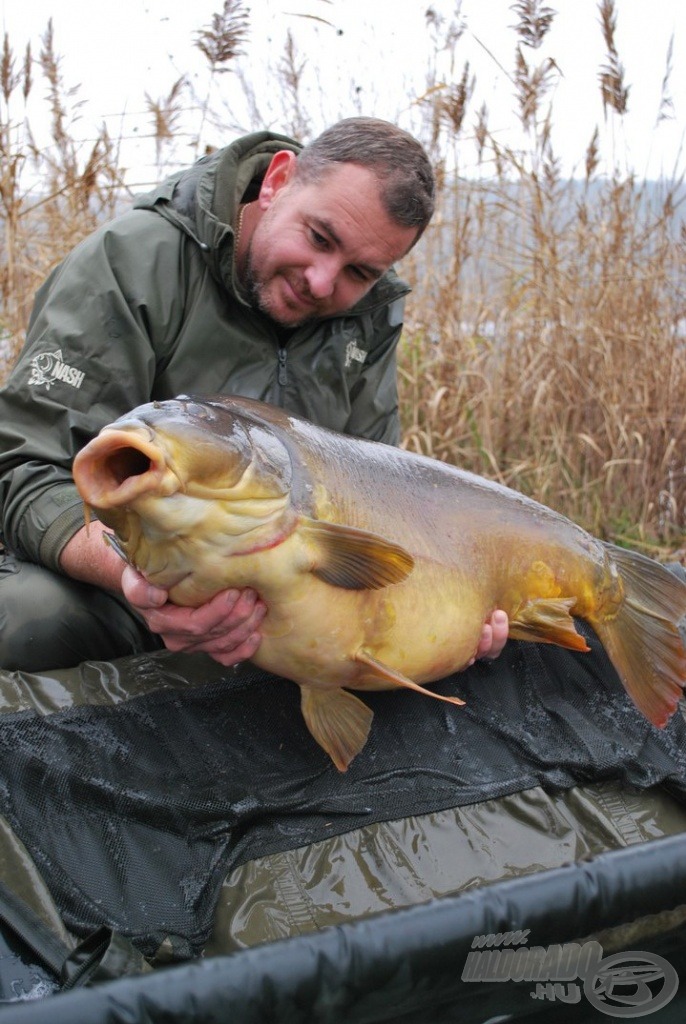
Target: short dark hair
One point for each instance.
(396, 157)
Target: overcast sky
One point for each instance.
(373, 52)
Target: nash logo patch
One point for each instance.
(352, 352)
(48, 367)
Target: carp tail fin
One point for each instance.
(643, 640)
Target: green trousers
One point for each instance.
(50, 621)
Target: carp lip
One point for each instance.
(119, 466)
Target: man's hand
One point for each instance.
(226, 627)
(493, 637)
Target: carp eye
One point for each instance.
(199, 411)
(126, 462)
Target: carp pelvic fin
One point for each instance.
(339, 722)
(391, 675)
(547, 621)
(354, 559)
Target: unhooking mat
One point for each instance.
(135, 809)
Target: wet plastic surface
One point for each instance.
(402, 863)
(21, 978)
(407, 966)
(139, 797)
(132, 799)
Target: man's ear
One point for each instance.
(279, 173)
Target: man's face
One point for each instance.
(320, 246)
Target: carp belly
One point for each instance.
(319, 636)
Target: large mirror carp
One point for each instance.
(378, 566)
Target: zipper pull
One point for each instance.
(282, 374)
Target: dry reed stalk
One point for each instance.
(572, 393)
(223, 40)
(221, 43)
(290, 72)
(614, 92)
(166, 113)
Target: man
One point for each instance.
(264, 270)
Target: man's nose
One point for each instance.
(321, 277)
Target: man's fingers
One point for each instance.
(138, 592)
(226, 627)
(225, 638)
(493, 636)
(214, 617)
(500, 625)
(242, 653)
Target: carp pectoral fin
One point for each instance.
(395, 678)
(354, 559)
(110, 539)
(339, 722)
(547, 621)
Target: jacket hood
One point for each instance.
(202, 201)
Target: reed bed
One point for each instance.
(555, 362)
(545, 342)
(51, 197)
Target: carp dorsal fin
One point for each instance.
(339, 722)
(354, 559)
(385, 673)
(547, 621)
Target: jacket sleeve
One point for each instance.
(374, 410)
(96, 332)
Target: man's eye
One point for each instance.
(321, 241)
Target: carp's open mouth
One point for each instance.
(118, 466)
(125, 463)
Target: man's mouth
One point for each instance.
(295, 296)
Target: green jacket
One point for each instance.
(149, 307)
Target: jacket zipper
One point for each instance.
(282, 375)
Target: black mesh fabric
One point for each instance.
(134, 813)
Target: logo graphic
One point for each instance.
(352, 352)
(631, 984)
(624, 985)
(49, 367)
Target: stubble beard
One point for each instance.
(258, 299)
